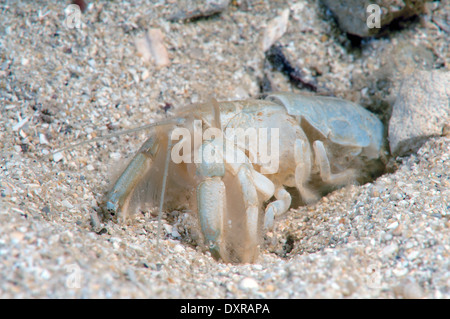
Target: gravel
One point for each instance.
(58, 85)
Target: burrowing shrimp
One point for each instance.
(232, 185)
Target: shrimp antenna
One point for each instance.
(163, 190)
(175, 121)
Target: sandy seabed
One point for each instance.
(385, 239)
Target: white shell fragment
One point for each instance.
(43, 139)
(57, 157)
(275, 29)
(152, 49)
(19, 124)
(248, 284)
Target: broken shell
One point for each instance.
(275, 29)
(152, 49)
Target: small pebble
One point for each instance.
(175, 233)
(398, 230)
(389, 250)
(45, 274)
(409, 289)
(115, 155)
(16, 237)
(400, 272)
(275, 29)
(412, 290)
(57, 157)
(67, 204)
(168, 228)
(392, 226)
(178, 249)
(413, 255)
(43, 139)
(248, 284)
